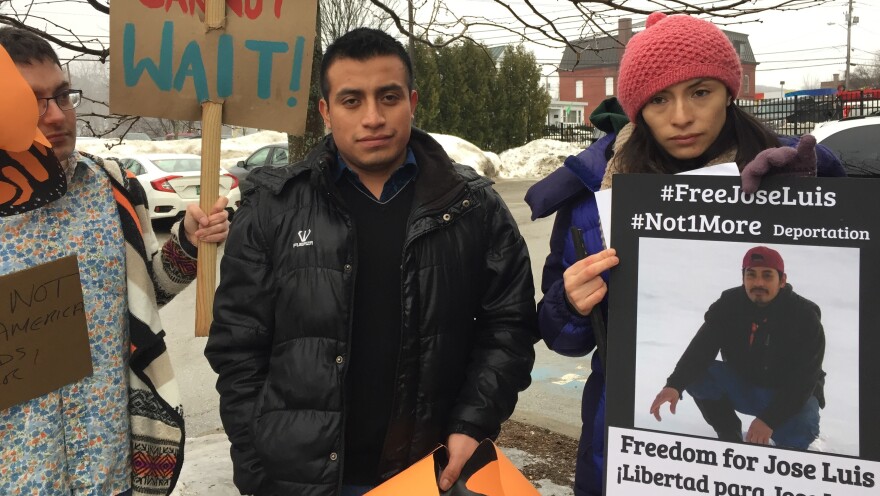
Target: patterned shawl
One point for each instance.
(153, 278)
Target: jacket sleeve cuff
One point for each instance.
(562, 309)
(771, 420)
(190, 249)
(471, 430)
(564, 331)
(775, 415)
(571, 309)
(678, 388)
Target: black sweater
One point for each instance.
(376, 327)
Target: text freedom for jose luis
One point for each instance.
(730, 459)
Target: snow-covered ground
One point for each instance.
(536, 158)
(533, 160)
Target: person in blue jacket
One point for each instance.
(677, 83)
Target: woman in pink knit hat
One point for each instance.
(677, 84)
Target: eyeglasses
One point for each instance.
(66, 100)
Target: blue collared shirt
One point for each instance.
(74, 440)
(398, 180)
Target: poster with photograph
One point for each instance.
(741, 339)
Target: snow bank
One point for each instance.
(231, 149)
(467, 153)
(536, 159)
(532, 160)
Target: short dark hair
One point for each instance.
(362, 44)
(25, 47)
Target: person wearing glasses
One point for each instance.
(119, 430)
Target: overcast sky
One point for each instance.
(793, 47)
(789, 46)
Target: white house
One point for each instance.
(563, 112)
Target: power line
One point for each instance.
(797, 60)
(800, 50)
(798, 67)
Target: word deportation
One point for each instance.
(728, 459)
(715, 224)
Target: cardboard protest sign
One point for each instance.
(44, 339)
(165, 62)
(682, 241)
(30, 175)
(488, 473)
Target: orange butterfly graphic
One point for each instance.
(30, 175)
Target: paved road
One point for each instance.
(553, 400)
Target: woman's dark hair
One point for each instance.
(642, 153)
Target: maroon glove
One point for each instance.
(782, 161)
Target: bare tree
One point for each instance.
(20, 15)
(531, 22)
(810, 82)
(299, 146)
(93, 78)
(527, 22)
(866, 75)
(341, 16)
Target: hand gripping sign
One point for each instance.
(487, 473)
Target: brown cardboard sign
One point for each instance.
(44, 338)
(165, 62)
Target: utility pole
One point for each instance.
(849, 21)
(412, 42)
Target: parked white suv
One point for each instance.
(855, 141)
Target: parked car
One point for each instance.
(138, 137)
(171, 181)
(274, 155)
(855, 142)
(183, 135)
(858, 109)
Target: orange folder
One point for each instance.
(487, 473)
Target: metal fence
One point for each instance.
(579, 134)
(792, 116)
(799, 115)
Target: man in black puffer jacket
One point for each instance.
(375, 299)
(772, 346)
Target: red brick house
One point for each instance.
(590, 75)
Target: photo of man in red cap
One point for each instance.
(772, 346)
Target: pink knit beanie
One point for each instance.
(670, 50)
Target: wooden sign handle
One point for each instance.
(212, 115)
(210, 191)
